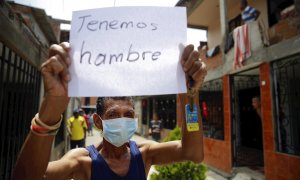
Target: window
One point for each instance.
(286, 96)
(87, 101)
(211, 105)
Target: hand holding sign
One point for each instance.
(56, 75)
(193, 67)
(127, 51)
(55, 70)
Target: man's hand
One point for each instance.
(55, 70)
(56, 76)
(193, 67)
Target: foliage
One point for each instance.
(174, 135)
(183, 170)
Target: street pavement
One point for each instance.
(210, 175)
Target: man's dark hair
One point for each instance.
(244, 2)
(257, 97)
(100, 106)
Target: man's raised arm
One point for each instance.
(192, 142)
(191, 146)
(35, 153)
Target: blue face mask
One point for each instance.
(118, 131)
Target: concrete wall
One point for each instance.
(31, 22)
(214, 34)
(138, 114)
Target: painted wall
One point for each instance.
(214, 34)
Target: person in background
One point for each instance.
(249, 13)
(257, 105)
(155, 127)
(86, 118)
(90, 124)
(257, 123)
(76, 127)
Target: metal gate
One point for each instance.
(211, 108)
(245, 152)
(19, 101)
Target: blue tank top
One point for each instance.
(101, 170)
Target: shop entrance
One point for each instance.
(246, 119)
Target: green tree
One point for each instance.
(179, 171)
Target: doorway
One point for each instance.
(246, 119)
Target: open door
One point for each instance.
(246, 120)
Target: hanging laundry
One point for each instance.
(242, 49)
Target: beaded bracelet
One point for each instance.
(39, 128)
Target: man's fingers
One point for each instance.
(193, 57)
(62, 50)
(64, 73)
(66, 46)
(52, 65)
(186, 53)
(199, 75)
(196, 66)
(55, 65)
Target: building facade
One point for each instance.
(235, 134)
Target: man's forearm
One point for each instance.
(192, 142)
(35, 153)
(34, 157)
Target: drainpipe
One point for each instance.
(224, 24)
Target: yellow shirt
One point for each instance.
(77, 126)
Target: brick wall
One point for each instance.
(93, 100)
(278, 166)
(213, 62)
(285, 29)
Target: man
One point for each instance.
(257, 105)
(249, 14)
(90, 124)
(256, 124)
(155, 127)
(113, 158)
(76, 127)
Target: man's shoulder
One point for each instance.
(81, 118)
(249, 9)
(146, 143)
(77, 153)
(71, 118)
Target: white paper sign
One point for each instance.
(127, 51)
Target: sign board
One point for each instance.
(127, 51)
